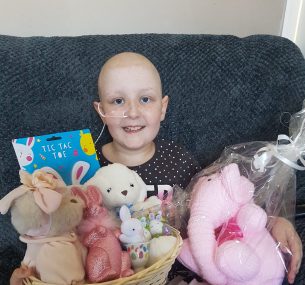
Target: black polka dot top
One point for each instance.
(170, 165)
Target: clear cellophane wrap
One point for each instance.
(265, 171)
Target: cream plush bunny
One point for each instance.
(45, 215)
(119, 185)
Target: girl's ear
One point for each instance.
(98, 108)
(164, 102)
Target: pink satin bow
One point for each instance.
(44, 187)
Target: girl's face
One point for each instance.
(133, 91)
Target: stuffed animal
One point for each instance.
(99, 232)
(131, 228)
(248, 255)
(119, 185)
(45, 216)
(155, 224)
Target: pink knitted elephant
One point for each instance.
(99, 233)
(243, 253)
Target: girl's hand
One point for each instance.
(20, 273)
(290, 243)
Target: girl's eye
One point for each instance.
(118, 101)
(145, 100)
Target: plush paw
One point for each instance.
(127, 272)
(251, 219)
(106, 275)
(126, 265)
(237, 261)
(98, 266)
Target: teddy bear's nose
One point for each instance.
(124, 192)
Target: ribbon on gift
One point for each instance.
(44, 188)
(289, 153)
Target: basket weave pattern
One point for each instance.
(156, 274)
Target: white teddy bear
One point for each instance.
(119, 185)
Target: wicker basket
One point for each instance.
(156, 274)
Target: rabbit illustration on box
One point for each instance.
(70, 155)
(119, 185)
(99, 232)
(45, 214)
(24, 152)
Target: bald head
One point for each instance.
(127, 60)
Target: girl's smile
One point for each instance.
(133, 129)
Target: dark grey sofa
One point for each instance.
(223, 90)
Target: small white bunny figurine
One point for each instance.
(24, 152)
(155, 224)
(131, 228)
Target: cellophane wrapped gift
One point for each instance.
(234, 205)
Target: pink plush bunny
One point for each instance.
(99, 233)
(245, 256)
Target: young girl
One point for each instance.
(132, 106)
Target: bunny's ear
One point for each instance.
(77, 191)
(230, 176)
(159, 217)
(94, 195)
(79, 170)
(239, 188)
(30, 142)
(124, 213)
(151, 216)
(55, 174)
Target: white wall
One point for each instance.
(294, 23)
(300, 38)
(79, 17)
